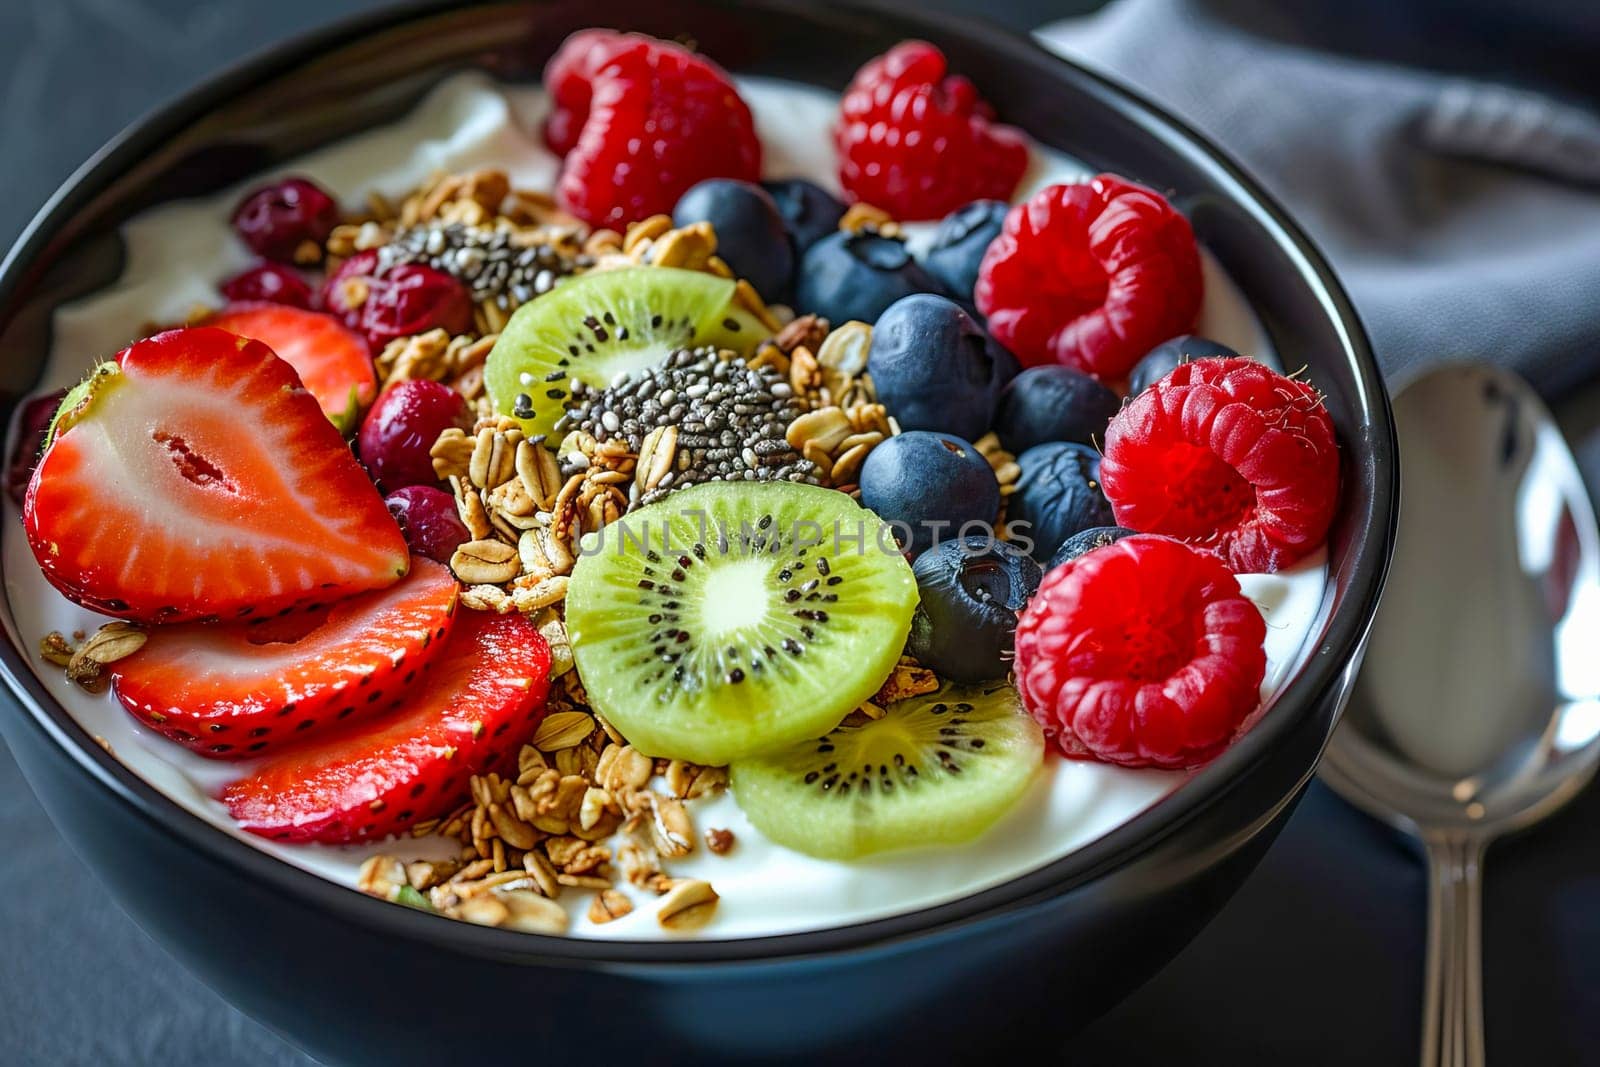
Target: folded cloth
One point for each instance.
(1462, 215)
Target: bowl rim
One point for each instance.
(1345, 635)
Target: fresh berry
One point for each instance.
(399, 432)
(1057, 495)
(651, 119)
(809, 211)
(33, 426)
(235, 496)
(960, 242)
(751, 239)
(1053, 403)
(402, 301)
(935, 369)
(1229, 455)
(918, 142)
(428, 518)
(856, 276)
(1164, 358)
(277, 220)
(1144, 654)
(481, 701)
(569, 78)
(929, 487)
(268, 283)
(235, 690)
(1091, 275)
(971, 590)
(1085, 541)
(332, 362)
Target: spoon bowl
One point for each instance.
(1477, 710)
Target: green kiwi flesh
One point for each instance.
(600, 326)
(734, 618)
(936, 769)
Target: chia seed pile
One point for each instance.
(491, 263)
(731, 419)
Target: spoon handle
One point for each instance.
(1452, 1034)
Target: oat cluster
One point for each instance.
(584, 810)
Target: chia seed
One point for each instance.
(488, 262)
(731, 419)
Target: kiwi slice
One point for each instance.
(936, 769)
(737, 617)
(599, 326)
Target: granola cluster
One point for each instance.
(584, 811)
(85, 662)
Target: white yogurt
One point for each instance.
(177, 253)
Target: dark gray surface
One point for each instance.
(1317, 961)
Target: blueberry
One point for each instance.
(960, 242)
(1164, 358)
(1053, 403)
(1087, 541)
(809, 212)
(972, 589)
(848, 276)
(1057, 495)
(929, 485)
(935, 368)
(751, 237)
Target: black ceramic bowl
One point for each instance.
(353, 979)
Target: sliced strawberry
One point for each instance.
(332, 361)
(238, 689)
(194, 478)
(481, 702)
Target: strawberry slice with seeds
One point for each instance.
(332, 361)
(480, 703)
(194, 477)
(239, 689)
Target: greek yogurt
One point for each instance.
(177, 253)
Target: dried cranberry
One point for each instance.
(428, 518)
(268, 283)
(402, 301)
(277, 219)
(32, 425)
(399, 431)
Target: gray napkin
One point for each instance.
(1463, 216)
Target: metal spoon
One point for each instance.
(1477, 710)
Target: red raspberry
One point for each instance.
(569, 78)
(1091, 275)
(920, 143)
(1228, 455)
(641, 121)
(1143, 653)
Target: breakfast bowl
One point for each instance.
(1025, 948)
